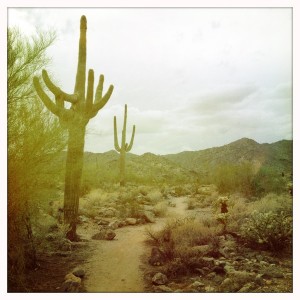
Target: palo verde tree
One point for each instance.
(124, 146)
(34, 140)
(84, 106)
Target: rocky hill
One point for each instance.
(277, 156)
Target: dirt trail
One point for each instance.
(114, 266)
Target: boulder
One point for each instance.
(159, 279)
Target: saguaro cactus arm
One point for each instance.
(128, 147)
(72, 98)
(55, 109)
(117, 147)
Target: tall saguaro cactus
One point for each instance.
(84, 106)
(124, 146)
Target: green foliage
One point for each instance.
(34, 139)
(270, 180)
(234, 178)
(269, 229)
(178, 241)
(270, 223)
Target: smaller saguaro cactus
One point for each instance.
(124, 146)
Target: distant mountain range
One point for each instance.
(183, 165)
(277, 155)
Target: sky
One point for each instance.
(193, 78)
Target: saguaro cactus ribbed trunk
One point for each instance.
(124, 146)
(84, 106)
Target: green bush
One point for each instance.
(272, 230)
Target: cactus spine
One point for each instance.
(84, 106)
(124, 146)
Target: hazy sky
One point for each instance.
(192, 78)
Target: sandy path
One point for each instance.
(114, 266)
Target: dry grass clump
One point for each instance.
(180, 242)
(160, 209)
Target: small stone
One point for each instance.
(131, 221)
(209, 289)
(103, 222)
(259, 279)
(71, 276)
(114, 224)
(197, 285)
(164, 289)
(246, 288)
(159, 279)
(79, 273)
(272, 274)
(211, 275)
(263, 263)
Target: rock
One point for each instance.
(148, 216)
(209, 289)
(211, 275)
(108, 212)
(159, 279)
(200, 271)
(130, 221)
(103, 222)
(248, 287)
(228, 285)
(114, 224)
(79, 272)
(272, 274)
(157, 257)
(83, 219)
(259, 279)
(197, 285)
(72, 283)
(263, 263)
(229, 269)
(110, 234)
(164, 289)
(104, 234)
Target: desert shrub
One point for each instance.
(270, 224)
(155, 196)
(160, 209)
(191, 203)
(235, 178)
(273, 202)
(271, 230)
(179, 235)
